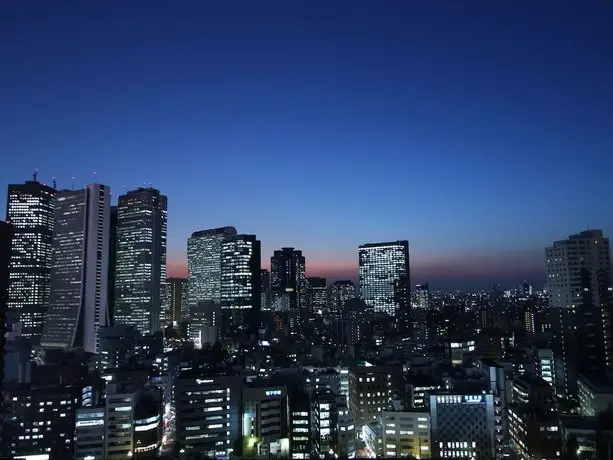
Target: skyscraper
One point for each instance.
(112, 264)
(422, 296)
(204, 277)
(79, 269)
(340, 293)
(288, 280)
(177, 295)
(579, 289)
(266, 300)
(6, 236)
(140, 272)
(30, 210)
(317, 295)
(384, 276)
(241, 284)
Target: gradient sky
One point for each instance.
(480, 131)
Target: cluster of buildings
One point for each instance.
(104, 357)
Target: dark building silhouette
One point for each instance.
(112, 263)
(288, 284)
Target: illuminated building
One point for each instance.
(241, 284)
(140, 272)
(265, 423)
(204, 278)
(384, 275)
(177, 297)
(462, 426)
(300, 423)
(89, 433)
(6, 235)
(422, 296)
(340, 293)
(318, 296)
(39, 419)
(79, 271)
(579, 289)
(459, 349)
(266, 299)
(112, 264)
(406, 434)
(30, 210)
(208, 412)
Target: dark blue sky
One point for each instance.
(480, 131)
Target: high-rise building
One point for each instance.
(384, 276)
(422, 296)
(204, 277)
(318, 295)
(140, 273)
(266, 300)
(288, 280)
(241, 284)
(340, 293)
(112, 263)
(79, 269)
(177, 296)
(579, 289)
(6, 236)
(30, 210)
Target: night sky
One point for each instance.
(479, 131)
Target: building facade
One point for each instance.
(241, 295)
(384, 274)
(176, 289)
(288, 283)
(79, 270)
(340, 293)
(30, 210)
(140, 272)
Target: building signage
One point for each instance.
(473, 399)
(273, 392)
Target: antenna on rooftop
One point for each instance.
(94, 176)
(72, 185)
(54, 183)
(35, 175)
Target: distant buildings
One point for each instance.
(579, 289)
(204, 277)
(288, 282)
(6, 235)
(340, 293)
(384, 276)
(317, 295)
(176, 289)
(79, 271)
(422, 296)
(241, 295)
(30, 210)
(140, 273)
(266, 299)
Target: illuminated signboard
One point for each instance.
(200, 382)
(473, 399)
(273, 392)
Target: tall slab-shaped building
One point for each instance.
(79, 269)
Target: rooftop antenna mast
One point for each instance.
(54, 183)
(72, 185)
(94, 177)
(35, 175)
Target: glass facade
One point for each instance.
(384, 268)
(79, 270)
(340, 293)
(30, 210)
(140, 271)
(241, 282)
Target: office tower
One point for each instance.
(265, 420)
(288, 280)
(204, 277)
(300, 422)
(112, 264)
(30, 210)
(208, 412)
(266, 300)
(422, 296)
(317, 295)
(79, 269)
(177, 295)
(117, 345)
(579, 289)
(6, 236)
(406, 433)
(241, 284)
(384, 277)
(463, 426)
(340, 293)
(140, 274)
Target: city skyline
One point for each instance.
(406, 122)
